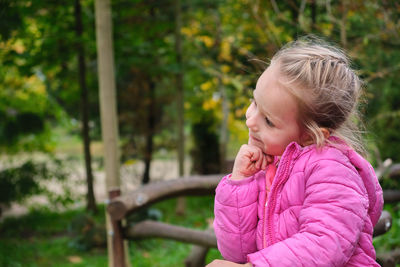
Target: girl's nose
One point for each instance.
(251, 117)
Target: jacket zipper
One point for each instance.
(273, 199)
(264, 238)
(264, 222)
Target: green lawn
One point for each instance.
(44, 238)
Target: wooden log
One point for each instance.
(394, 170)
(389, 259)
(391, 196)
(119, 207)
(151, 229)
(384, 224)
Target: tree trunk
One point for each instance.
(90, 198)
(294, 10)
(313, 14)
(181, 203)
(343, 22)
(148, 154)
(179, 87)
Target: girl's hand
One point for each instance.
(249, 160)
(222, 263)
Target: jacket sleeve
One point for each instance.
(235, 222)
(330, 222)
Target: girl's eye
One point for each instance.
(269, 123)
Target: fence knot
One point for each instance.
(141, 199)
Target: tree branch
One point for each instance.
(391, 196)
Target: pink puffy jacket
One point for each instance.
(320, 211)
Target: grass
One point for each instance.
(44, 238)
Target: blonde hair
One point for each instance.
(326, 88)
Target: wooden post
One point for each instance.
(118, 252)
(108, 107)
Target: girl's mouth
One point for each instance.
(254, 138)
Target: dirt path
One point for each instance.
(130, 175)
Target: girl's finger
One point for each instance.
(264, 162)
(254, 153)
(256, 159)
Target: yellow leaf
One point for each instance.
(225, 68)
(240, 112)
(206, 86)
(206, 62)
(130, 162)
(327, 28)
(19, 47)
(206, 40)
(189, 31)
(36, 85)
(209, 104)
(225, 53)
(225, 80)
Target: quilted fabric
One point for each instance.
(320, 211)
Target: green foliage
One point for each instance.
(38, 75)
(86, 233)
(145, 75)
(18, 183)
(26, 113)
(21, 182)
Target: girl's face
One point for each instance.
(272, 116)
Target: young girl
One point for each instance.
(299, 193)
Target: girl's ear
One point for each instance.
(306, 138)
(325, 132)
